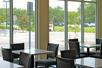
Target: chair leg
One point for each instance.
(36, 65)
(46, 66)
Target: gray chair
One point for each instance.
(26, 60)
(51, 58)
(71, 54)
(75, 46)
(65, 63)
(97, 54)
(73, 40)
(7, 54)
(16, 46)
(98, 41)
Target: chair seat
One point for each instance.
(46, 61)
(16, 60)
(97, 55)
(81, 56)
(50, 59)
(15, 55)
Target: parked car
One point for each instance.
(90, 24)
(59, 23)
(50, 27)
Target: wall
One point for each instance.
(99, 34)
(43, 24)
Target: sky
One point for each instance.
(53, 3)
(72, 6)
(17, 3)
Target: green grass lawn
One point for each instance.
(61, 29)
(72, 29)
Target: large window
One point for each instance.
(56, 22)
(4, 22)
(89, 23)
(81, 21)
(23, 22)
(74, 20)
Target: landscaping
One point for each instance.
(74, 29)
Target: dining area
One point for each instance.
(75, 58)
(18, 57)
(28, 23)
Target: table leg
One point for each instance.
(88, 51)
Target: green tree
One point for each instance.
(23, 22)
(73, 18)
(56, 14)
(2, 15)
(89, 12)
(22, 19)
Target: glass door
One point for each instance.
(24, 22)
(56, 23)
(74, 20)
(4, 22)
(89, 23)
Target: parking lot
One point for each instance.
(54, 37)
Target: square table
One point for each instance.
(88, 46)
(32, 51)
(89, 62)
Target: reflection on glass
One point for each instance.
(24, 22)
(56, 22)
(87, 0)
(4, 23)
(74, 20)
(89, 23)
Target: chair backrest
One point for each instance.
(101, 49)
(71, 54)
(75, 46)
(7, 55)
(73, 40)
(52, 47)
(17, 46)
(65, 63)
(26, 60)
(98, 41)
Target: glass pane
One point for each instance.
(24, 21)
(89, 0)
(89, 24)
(74, 0)
(56, 22)
(74, 21)
(4, 22)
